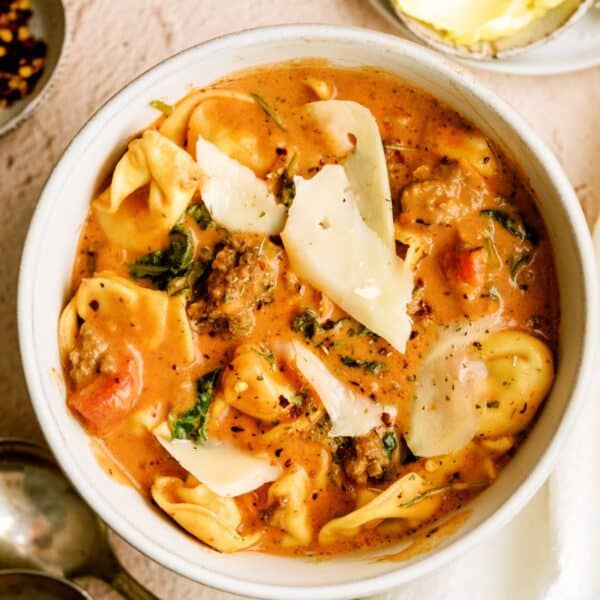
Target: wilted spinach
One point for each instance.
(521, 231)
(172, 269)
(373, 366)
(192, 424)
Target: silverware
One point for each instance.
(46, 525)
(24, 584)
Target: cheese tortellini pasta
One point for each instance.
(129, 310)
(172, 176)
(253, 385)
(477, 382)
(176, 125)
(291, 495)
(404, 499)
(211, 518)
(520, 373)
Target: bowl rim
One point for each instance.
(437, 558)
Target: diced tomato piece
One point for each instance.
(471, 266)
(109, 398)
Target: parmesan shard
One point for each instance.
(331, 247)
(350, 126)
(351, 414)
(451, 380)
(223, 468)
(235, 197)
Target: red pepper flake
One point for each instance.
(22, 56)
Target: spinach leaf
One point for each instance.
(373, 366)
(264, 352)
(517, 262)
(200, 214)
(270, 112)
(191, 425)
(389, 442)
(172, 269)
(287, 187)
(306, 323)
(361, 330)
(521, 231)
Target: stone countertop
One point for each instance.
(112, 42)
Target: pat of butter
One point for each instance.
(471, 21)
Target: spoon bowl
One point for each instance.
(45, 525)
(23, 584)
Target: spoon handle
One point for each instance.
(128, 587)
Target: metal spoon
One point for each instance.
(46, 525)
(24, 584)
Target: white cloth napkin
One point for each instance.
(551, 550)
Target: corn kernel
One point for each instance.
(6, 35)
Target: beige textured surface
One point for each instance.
(114, 41)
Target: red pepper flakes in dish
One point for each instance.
(22, 56)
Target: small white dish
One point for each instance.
(47, 265)
(575, 49)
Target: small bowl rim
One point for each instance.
(527, 487)
(409, 24)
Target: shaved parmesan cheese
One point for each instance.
(331, 247)
(351, 414)
(223, 468)
(235, 197)
(443, 415)
(344, 122)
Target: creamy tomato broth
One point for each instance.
(312, 310)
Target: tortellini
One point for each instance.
(252, 385)
(175, 126)
(292, 515)
(470, 147)
(520, 374)
(222, 123)
(404, 499)
(129, 311)
(491, 392)
(173, 177)
(211, 518)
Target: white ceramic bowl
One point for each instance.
(50, 250)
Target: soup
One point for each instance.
(312, 311)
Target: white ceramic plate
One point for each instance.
(575, 49)
(46, 269)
